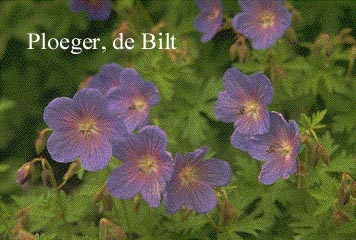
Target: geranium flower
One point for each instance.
(133, 100)
(210, 19)
(147, 166)
(192, 182)
(244, 102)
(83, 128)
(107, 79)
(263, 21)
(96, 9)
(279, 148)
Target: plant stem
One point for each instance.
(45, 164)
(127, 217)
(212, 222)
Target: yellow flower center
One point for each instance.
(148, 164)
(88, 127)
(188, 175)
(251, 109)
(139, 105)
(284, 149)
(267, 19)
(215, 13)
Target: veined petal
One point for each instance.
(125, 181)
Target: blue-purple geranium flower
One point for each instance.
(96, 9)
(263, 21)
(133, 100)
(244, 102)
(279, 148)
(83, 128)
(210, 19)
(147, 166)
(193, 180)
(107, 79)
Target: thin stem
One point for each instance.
(53, 181)
(127, 217)
(212, 222)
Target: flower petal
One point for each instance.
(152, 190)
(200, 198)
(241, 141)
(215, 171)
(96, 152)
(227, 108)
(262, 87)
(154, 139)
(107, 79)
(125, 181)
(64, 146)
(60, 114)
(175, 196)
(249, 125)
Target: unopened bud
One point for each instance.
(277, 72)
(46, 178)
(340, 216)
(73, 168)
(160, 27)
(24, 173)
(343, 194)
(107, 201)
(111, 231)
(23, 217)
(291, 35)
(323, 45)
(124, 29)
(84, 82)
(137, 203)
(319, 153)
(24, 235)
(98, 196)
(228, 211)
(40, 143)
(239, 49)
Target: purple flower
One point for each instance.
(134, 99)
(210, 19)
(97, 9)
(192, 182)
(244, 102)
(263, 21)
(83, 128)
(147, 166)
(279, 148)
(108, 78)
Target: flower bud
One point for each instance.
(277, 72)
(137, 203)
(24, 173)
(239, 49)
(123, 28)
(24, 235)
(84, 82)
(73, 168)
(46, 178)
(159, 27)
(107, 201)
(343, 196)
(23, 217)
(323, 45)
(353, 189)
(319, 153)
(291, 35)
(111, 231)
(340, 216)
(228, 211)
(40, 142)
